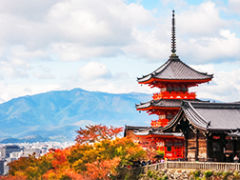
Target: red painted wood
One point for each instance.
(172, 146)
(154, 81)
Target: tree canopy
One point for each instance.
(98, 154)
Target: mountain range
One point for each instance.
(56, 115)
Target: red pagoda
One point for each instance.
(173, 78)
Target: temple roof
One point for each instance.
(174, 103)
(144, 130)
(137, 127)
(175, 69)
(210, 116)
(158, 133)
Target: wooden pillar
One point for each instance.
(209, 148)
(185, 131)
(197, 145)
(186, 148)
(186, 144)
(222, 146)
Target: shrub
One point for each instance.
(150, 174)
(208, 174)
(226, 174)
(197, 173)
(236, 175)
(165, 177)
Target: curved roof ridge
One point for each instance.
(199, 119)
(172, 122)
(203, 73)
(221, 105)
(209, 116)
(175, 69)
(162, 66)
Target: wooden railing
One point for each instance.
(194, 165)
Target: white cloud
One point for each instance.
(78, 26)
(177, 3)
(200, 20)
(11, 90)
(14, 68)
(89, 31)
(76, 51)
(202, 36)
(225, 85)
(67, 31)
(32, 10)
(83, 123)
(41, 72)
(224, 46)
(75, 30)
(93, 71)
(16, 61)
(149, 45)
(234, 6)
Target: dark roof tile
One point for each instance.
(212, 116)
(162, 103)
(175, 69)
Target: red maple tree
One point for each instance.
(96, 133)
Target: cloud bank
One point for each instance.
(59, 44)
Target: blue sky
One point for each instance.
(65, 44)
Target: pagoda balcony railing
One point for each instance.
(159, 122)
(217, 166)
(174, 95)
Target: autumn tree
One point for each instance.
(98, 154)
(96, 133)
(30, 167)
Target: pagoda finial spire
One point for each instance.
(173, 34)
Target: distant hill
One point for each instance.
(28, 139)
(56, 115)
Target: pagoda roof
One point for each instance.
(145, 130)
(210, 116)
(175, 69)
(174, 103)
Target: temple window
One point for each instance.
(169, 89)
(169, 148)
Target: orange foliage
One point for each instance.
(59, 158)
(100, 159)
(72, 174)
(13, 177)
(62, 174)
(101, 169)
(96, 133)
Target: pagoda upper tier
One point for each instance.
(174, 71)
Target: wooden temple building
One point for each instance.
(186, 128)
(173, 79)
(211, 130)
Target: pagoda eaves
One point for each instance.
(162, 104)
(175, 71)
